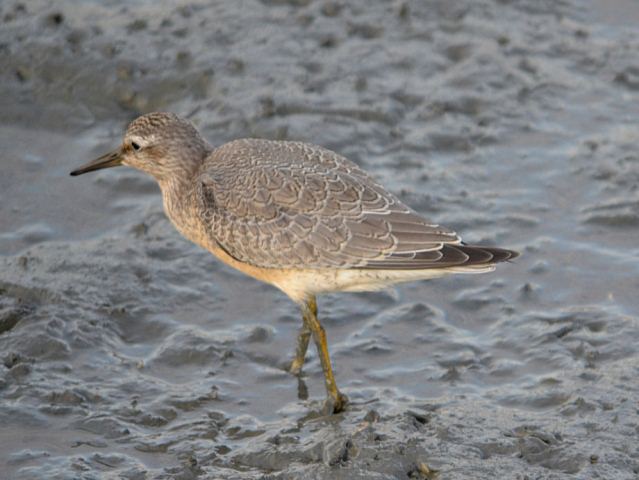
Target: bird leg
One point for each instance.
(300, 349)
(335, 401)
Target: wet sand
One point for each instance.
(129, 353)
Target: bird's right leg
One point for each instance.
(335, 401)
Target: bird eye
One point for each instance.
(135, 146)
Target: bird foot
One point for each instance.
(302, 389)
(336, 404)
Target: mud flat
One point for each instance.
(129, 353)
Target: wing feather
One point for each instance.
(294, 205)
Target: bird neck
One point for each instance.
(178, 189)
(182, 166)
(176, 192)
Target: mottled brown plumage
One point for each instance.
(295, 215)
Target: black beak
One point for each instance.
(111, 159)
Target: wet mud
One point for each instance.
(127, 352)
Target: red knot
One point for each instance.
(295, 215)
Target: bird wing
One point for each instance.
(294, 205)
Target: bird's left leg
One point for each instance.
(300, 349)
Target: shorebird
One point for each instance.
(292, 214)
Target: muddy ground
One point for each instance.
(129, 353)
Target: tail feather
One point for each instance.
(451, 256)
(498, 255)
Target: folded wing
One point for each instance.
(294, 205)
